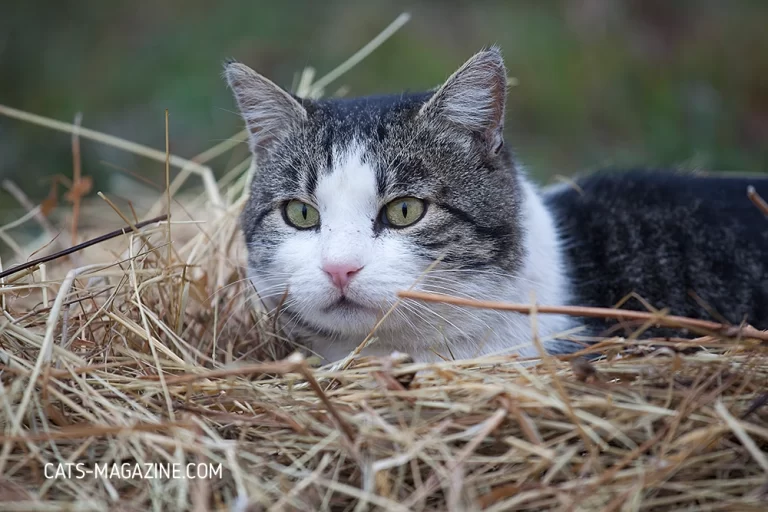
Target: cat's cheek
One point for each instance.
(297, 259)
(394, 266)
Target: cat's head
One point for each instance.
(353, 199)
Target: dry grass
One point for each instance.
(149, 351)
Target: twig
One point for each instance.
(76, 173)
(293, 364)
(757, 199)
(741, 435)
(169, 263)
(85, 431)
(433, 482)
(278, 367)
(79, 247)
(304, 370)
(593, 312)
(363, 52)
(168, 184)
(185, 165)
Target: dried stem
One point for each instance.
(695, 324)
(80, 247)
(757, 199)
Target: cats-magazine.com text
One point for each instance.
(133, 470)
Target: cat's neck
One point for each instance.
(543, 273)
(543, 279)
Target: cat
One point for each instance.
(355, 199)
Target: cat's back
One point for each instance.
(694, 244)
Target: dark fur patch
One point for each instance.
(695, 245)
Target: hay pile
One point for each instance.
(150, 352)
(148, 360)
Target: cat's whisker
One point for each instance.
(277, 293)
(224, 288)
(406, 319)
(479, 319)
(459, 283)
(418, 314)
(447, 290)
(507, 277)
(439, 316)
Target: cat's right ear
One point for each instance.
(270, 113)
(473, 98)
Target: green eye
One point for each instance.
(403, 212)
(301, 215)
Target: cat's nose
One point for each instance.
(341, 273)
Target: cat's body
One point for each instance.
(355, 199)
(693, 244)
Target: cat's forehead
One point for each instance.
(365, 112)
(350, 176)
(375, 143)
(352, 145)
(370, 123)
(365, 166)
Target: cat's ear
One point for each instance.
(270, 113)
(473, 98)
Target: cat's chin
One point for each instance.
(346, 305)
(343, 317)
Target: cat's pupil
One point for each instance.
(405, 210)
(304, 211)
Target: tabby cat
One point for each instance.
(355, 199)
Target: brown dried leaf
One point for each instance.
(79, 189)
(50, 202)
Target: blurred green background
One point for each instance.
(600, 82)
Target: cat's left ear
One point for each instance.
(270, 113)
(473, 98)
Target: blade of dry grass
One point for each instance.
(80, 247)
(203, 171)
(619, 314)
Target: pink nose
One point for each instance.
(341, 273)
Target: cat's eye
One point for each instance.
(301, 215)
(403, 212)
